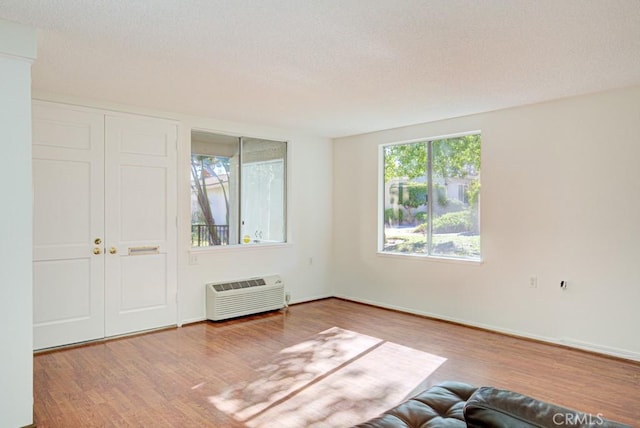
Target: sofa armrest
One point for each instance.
(492, 407)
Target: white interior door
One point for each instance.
(68, 180)
(141, 217)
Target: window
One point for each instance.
(431, 197)
(463, 193)
(238, 190)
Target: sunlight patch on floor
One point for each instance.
(337, 378)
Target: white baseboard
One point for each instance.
(600, 349)
(192, 321)
(311, 299)
(571, 343)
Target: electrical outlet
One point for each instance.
(193, 259)
(533, 282)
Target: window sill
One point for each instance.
(238, 248)
(424, 257)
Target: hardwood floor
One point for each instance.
(165, 378)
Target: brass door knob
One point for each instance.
(97, 241)
(97, 251)
(113, 250)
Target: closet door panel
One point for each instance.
(141, 227)
(68, 180)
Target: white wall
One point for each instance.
(560, 200)
(310, 215)
(17, 50)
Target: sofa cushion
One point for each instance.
(439, 406)
(492, 407)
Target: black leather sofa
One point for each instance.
(456, 404)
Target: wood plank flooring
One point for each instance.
(165, 379)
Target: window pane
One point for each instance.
(405, 197)
(263, 191)
(456, 185)
(214, 189)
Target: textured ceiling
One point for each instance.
(331, 67)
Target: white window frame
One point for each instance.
(381, 206)
(288, 235)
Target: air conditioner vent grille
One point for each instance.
(239, 284)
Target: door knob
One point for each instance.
(97, 241)
(113, 250)
(97, 251)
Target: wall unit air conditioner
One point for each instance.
(244, 297)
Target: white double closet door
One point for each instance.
(104, 224)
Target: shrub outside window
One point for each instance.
(432, 197)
